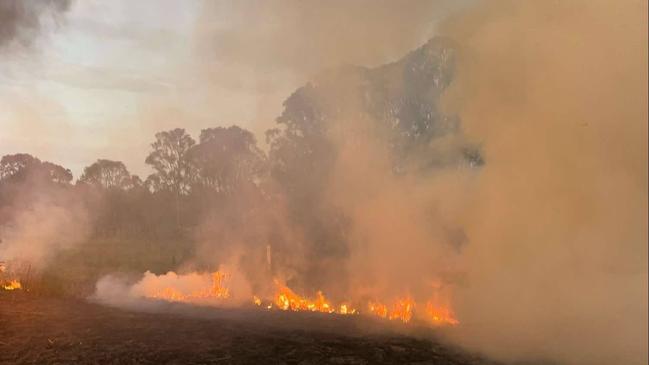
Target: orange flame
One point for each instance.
(378, 309)
(436, 310)
(287, 299)
(440, 315)
(346, 309)
(402, 309)
(12, 285)
(256, 300)
(217, 291)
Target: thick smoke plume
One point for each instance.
(557, 94)
(542, 250)
(120, 291)
(519, 201)
(292, 41)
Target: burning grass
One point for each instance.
(195, 288)
(8, 281)
(12, 285)
(216, 289)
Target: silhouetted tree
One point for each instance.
(56, 173)
(17, 166)
(174, 171)
(109, 174)
(23, 166)
(226, 159)
(169, 159)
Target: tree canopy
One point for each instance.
(170, 160)
(109, 174)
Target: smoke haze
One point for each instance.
(557, 94)
(519, 199)
(193, 63)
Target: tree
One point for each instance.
(109, 174)
(21, 167)
(396, 105)
(226, 159)
(174, 170)
(169, 158)
(17, 166)
(56, 173)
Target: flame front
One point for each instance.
(216, 291)
(378, 309)
(401, 309)
(287, 299)
(440, 315)
(436, 310)
(12, 285)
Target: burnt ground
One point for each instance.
(48, 330)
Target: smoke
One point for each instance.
(542, 251)
(41, 222)
(555, 265)
(212, 66)
(557, 262)
(550, 262)
(256, 67)
(305, 37)
(399, 227)
(22, 20)
(204, 289)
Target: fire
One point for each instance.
(437, 310)
(12, 285)
(440, 315)
(378, 309)
(346, 309)
(216, 291)
(256, 300)
(287, 299)
(402, 309)
(5, 274)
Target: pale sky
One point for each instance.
(112, 73)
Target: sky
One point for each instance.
(103, 78)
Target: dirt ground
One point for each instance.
(47, 330)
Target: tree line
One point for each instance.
(225, 178)
(224, 162)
